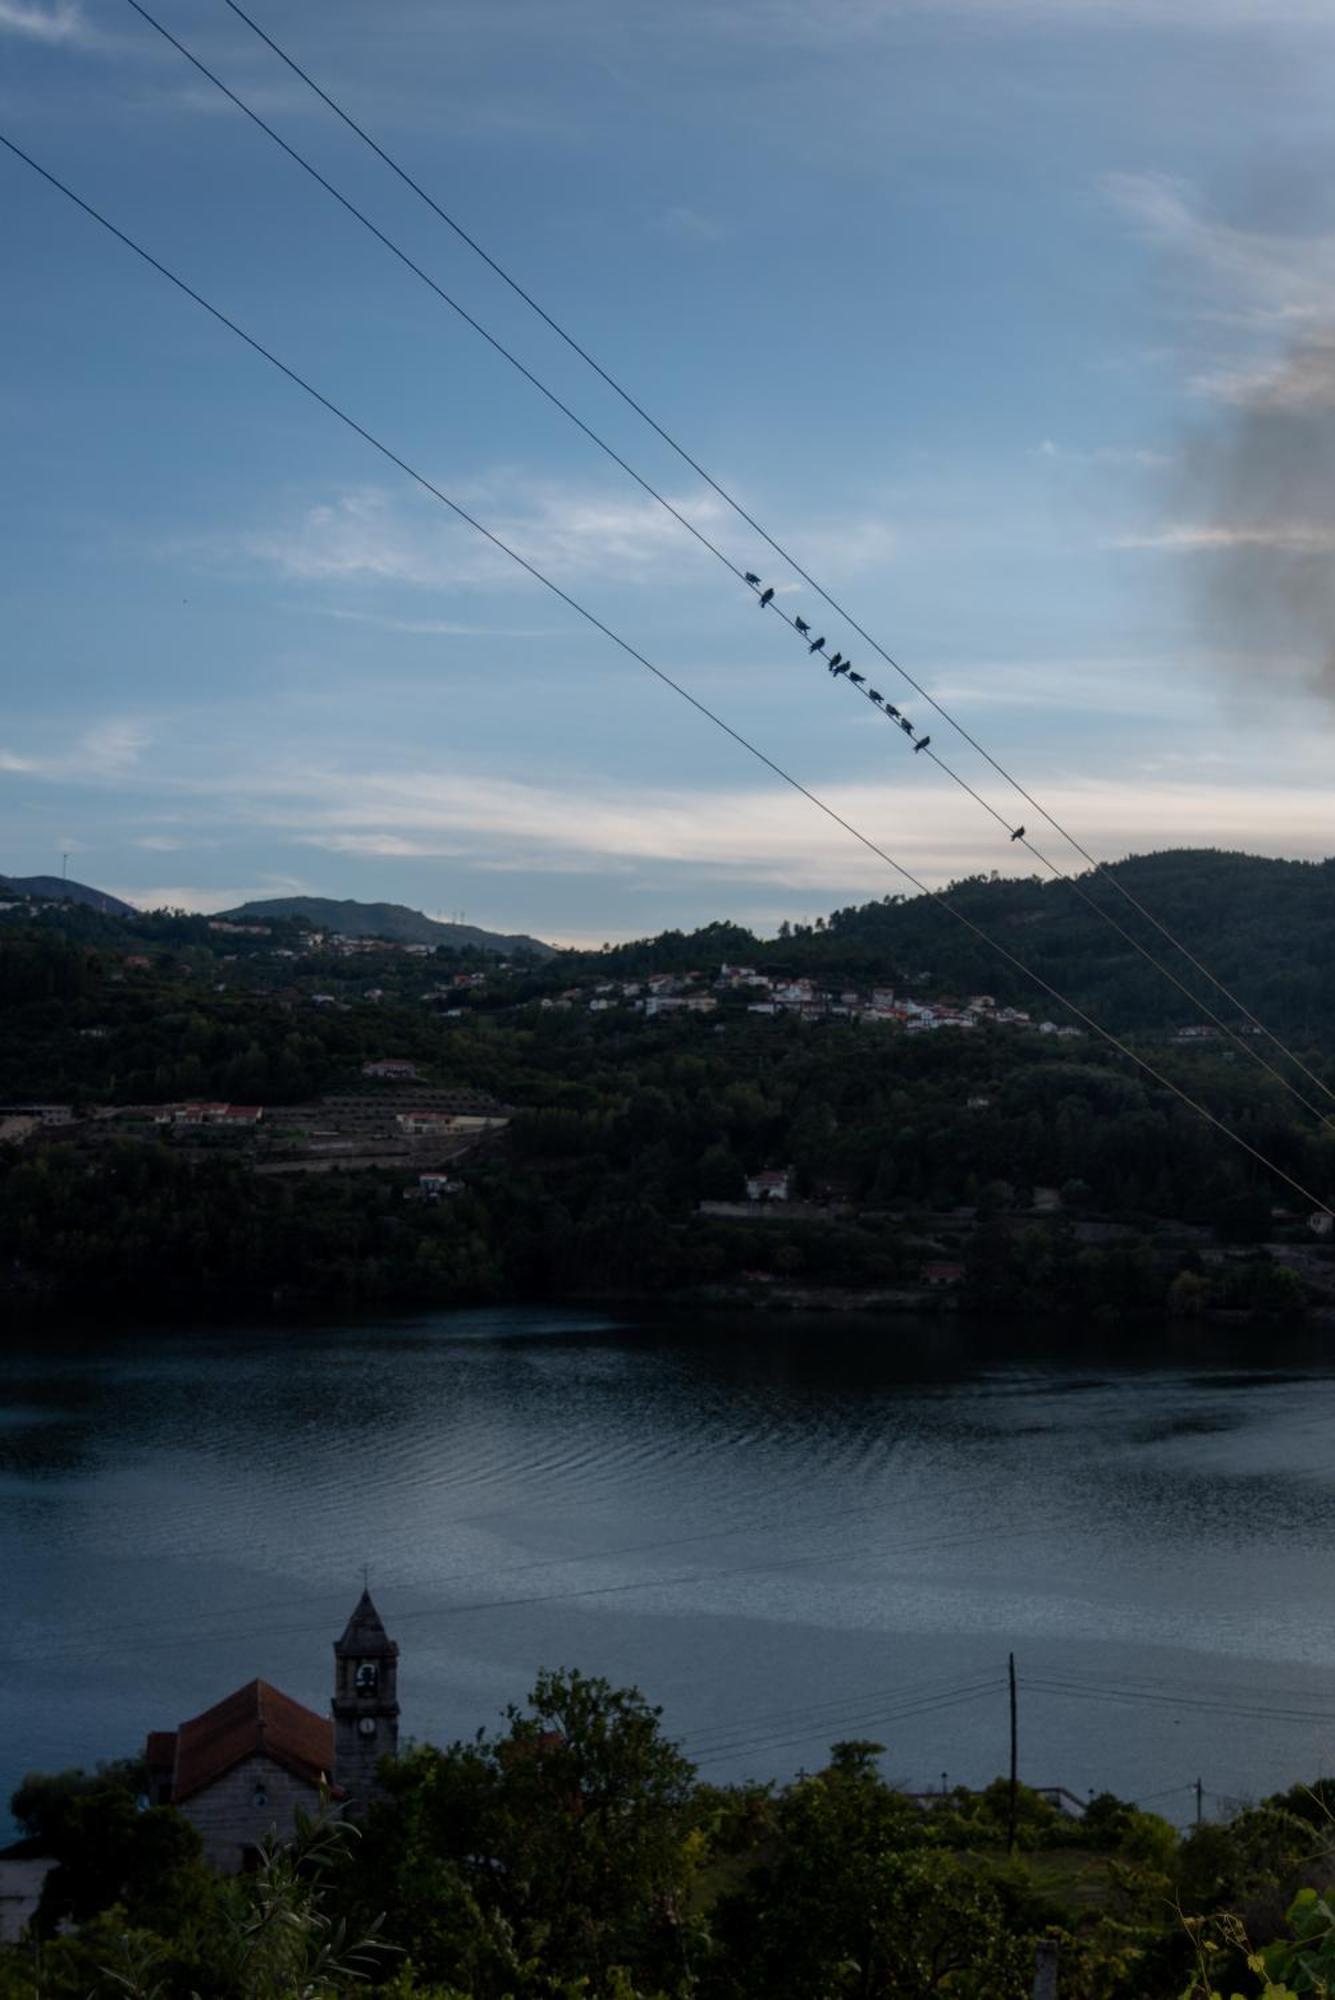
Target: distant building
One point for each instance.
(939, 1274)
(774, 1184)
(24, 1867)
(391, 1069)
(242, 1770)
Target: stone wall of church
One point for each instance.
(230, 1823)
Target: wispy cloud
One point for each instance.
(1136, 456)
(63, 22)
(430, 628)
(373, 535)
(1296, 537)
(693, 227)
(109, 749)
(1264, 277)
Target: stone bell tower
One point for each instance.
(366, 1702)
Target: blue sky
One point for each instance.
(968, 301)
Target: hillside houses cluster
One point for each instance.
(697, 993)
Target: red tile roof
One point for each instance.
(258, 1720)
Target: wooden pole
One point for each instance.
(1015, 1759)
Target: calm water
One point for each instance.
(783, 1533)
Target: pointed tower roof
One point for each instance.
(364, 1635)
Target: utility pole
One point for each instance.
(1015, 1758)
(1200, 1796)
(65, 866)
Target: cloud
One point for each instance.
(689, 224)
(1298, 537)
(769, 834)
(1103, 454)
(109, 749)
(371, 535)
(1263, 277)
(63, 22)
(375, 535)
(432, 628)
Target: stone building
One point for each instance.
(244, 1768)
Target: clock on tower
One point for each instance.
(366, 1702)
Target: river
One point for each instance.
(785, 1532)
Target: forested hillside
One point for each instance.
(987, 1162)
(1265, 928)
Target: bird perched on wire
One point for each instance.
(800, 625)
(841, 667)
(858, 680)
(906, 725)
(817, 645)
(890, 709)
(873, 695)
(751, 577)
(835, 660)
(1018, 833)
(921, 744)
(765, 596)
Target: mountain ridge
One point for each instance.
(58, 889)
(395, 922)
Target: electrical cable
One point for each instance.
(804, 1728)
(712, 547)
(817, 1712)
(891, 1715)
(731, 501)
(768, 1565)
(591, 618)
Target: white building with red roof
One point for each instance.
(242, 1770)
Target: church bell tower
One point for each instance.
(366, 1702)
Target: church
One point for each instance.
(244, 1768)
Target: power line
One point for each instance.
(906, 1714)
(821, 1714)
(633, 652)
(731, 501)
(677, 515)
(963, 1539)
(764, 1566)
(802, 1732)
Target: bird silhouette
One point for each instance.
(835, 658)
(751, 576)
(858, 680)
(842, 668)
(765, 596)
(890, 709)
(879, 699)
(817, 645)
(906, 725)
(1018, 833)
(800, 625)
(921, 744)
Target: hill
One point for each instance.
(1264, 927)
(394, 921)
(58, 889)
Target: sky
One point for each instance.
(1008, 318)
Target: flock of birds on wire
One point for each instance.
(839, 665)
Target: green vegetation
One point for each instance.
(1034, 1174)
(575, 1852)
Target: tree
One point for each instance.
(855, 1902)
(558, 1849)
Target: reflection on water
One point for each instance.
(783, 1532)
